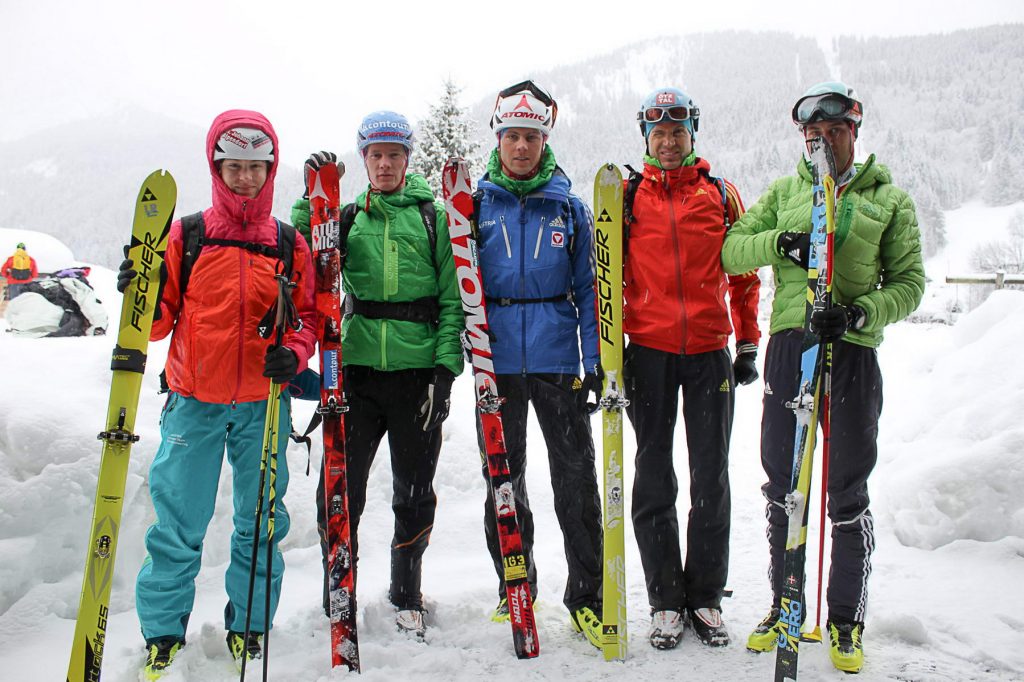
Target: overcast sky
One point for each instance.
(315, 67)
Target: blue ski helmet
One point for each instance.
(668, 104)
(829, 101)
(384, 126)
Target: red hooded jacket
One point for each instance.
(675, 293)
(216, 354)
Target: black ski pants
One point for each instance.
(387, 402)
(570, 447)
(856, 405)
(653, 380)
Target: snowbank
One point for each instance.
(946, 500)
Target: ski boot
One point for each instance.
(161, 653)
(410, 621)
(845, 648)
(238, 646)
(708, 626)
(500, 614)
(765, 636)
(585, 621)
(666, 629)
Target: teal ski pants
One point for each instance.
(183, 482)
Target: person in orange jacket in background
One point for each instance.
(19, 269)
(679, 311)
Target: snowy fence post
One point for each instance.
(999, 279)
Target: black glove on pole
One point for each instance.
(832, 323)
(281, 364)
(436, 400)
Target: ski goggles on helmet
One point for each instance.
(677, 113)
(530, 87)
(827, 107)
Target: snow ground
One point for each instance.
(946, 602)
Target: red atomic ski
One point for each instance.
(458, 200)
(324, 213)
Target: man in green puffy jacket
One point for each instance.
(878, 279)
(401, 346)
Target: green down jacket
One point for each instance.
(878, 249)
(389, 260)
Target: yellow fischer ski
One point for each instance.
(608, 191)
(154, 209)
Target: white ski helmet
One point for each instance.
(244, 144)
(524, 105)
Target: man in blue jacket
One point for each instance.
(535, 250)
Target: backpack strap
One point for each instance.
(635, 178)
(474, 220)
(722, 189)
(429, 215)
(345, 221)
(193, 228)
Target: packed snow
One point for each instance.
(947, 600)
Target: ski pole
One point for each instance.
(815, 634)
(826, 420)
(268, 460)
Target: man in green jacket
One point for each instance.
(401, 346)
(878, 279)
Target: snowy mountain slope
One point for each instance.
(946, 593)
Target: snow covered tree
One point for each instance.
(447, 131)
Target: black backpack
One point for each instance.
(193, 238)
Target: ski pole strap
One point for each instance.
(424, 309)
(503, 301)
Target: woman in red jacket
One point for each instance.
(219, 371)
(679, 321)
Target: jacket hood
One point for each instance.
(238, 208)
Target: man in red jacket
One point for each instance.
(679, 321)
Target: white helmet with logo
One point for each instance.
(524, 105)
(244, 144)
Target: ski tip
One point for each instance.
(341, 169)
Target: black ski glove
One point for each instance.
(832, 323)
(744, 368)
(125, 273)
(436, 400)
(591, 383)
(316, 161)
(796, 246)
(280, 364)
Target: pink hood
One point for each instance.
(233, 207)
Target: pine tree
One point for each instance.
(447, 131)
